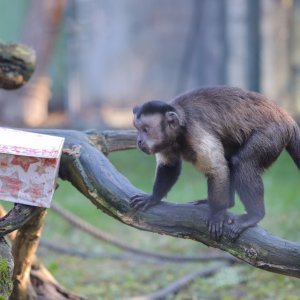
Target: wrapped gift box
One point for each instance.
(28, 166)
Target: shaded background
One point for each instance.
(97, 58)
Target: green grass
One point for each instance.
(113, 279)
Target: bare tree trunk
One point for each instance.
(253, 44)
(275, 60)
(295, 56)
(211, 58)
(190, 46)
(24, 248)
(236, 43)
(243, 43)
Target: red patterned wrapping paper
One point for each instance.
(28, 166)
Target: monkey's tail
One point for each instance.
(293, 147)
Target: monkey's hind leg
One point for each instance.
(259, 152)
(231, 196)
(251, 191)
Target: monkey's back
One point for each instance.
(232, 113)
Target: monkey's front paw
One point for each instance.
(142, 201)
(215, 225)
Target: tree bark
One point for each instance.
(24, 248)
(89, 170)
(17, 217)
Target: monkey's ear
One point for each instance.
(172, 119)
(136, 109)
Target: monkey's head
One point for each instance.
(158, 126)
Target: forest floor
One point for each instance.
(113, 277)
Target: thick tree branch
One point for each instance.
(92, 174)
(17, 217)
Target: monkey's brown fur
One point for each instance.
(230, 135)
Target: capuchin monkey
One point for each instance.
(228, 134)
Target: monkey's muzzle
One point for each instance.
(143, 147)
(145, 150)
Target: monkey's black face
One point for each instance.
(153, 135)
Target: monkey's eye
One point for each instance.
(145, 129)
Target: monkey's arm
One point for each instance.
(166, 176)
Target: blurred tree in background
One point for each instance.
(105, 56)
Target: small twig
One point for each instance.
(172, 259)
(95, 232)
(176, 285)
(83, 254)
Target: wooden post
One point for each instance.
(23, 250)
